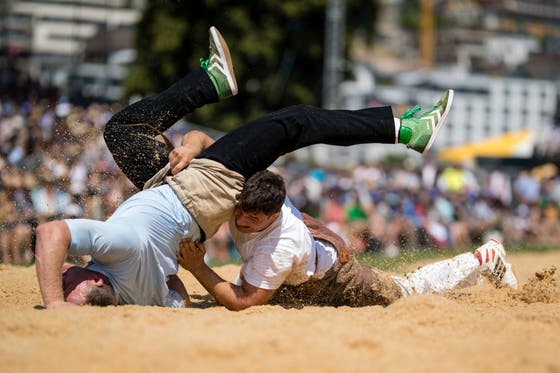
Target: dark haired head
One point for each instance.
(263, 192)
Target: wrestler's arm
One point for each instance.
(175, 283)
(233, 297)
(51, 248)
(192, 144)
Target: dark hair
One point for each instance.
(263, 192)
(102, 296)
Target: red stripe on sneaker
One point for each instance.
(493, 255)
(478, 256)
(487, 257)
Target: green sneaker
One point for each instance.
(419, 133)
(218, 66)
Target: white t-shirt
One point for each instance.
(135, 248)
(283, 253)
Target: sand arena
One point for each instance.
(476, 329)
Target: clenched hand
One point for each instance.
(191, 255)
(181, 157)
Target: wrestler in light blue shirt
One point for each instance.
(135, 248)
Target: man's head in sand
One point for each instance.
(83, 286)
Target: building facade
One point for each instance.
(46, 39)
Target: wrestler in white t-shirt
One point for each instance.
(283, 253)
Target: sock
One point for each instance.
(397, 129)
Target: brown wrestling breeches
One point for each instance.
(345, 284)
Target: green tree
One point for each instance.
(276, 46)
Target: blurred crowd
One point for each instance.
(390, 209)
(54, 164)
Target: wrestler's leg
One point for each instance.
(256, 145)
(461, 271)
(134, 148)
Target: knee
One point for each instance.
(114, 130)
(110, 131)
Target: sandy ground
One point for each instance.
(478, 329)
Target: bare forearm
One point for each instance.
(193, 143)
(231, 296)
(52, 244)
(197, 140)
(191, 257)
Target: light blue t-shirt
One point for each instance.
(135, 248)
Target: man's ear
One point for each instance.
(99, 282)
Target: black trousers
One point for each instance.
(248, 149)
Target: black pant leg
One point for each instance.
(134, 148)
(256, 145)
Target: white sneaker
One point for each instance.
(492, 257)
(218, 66)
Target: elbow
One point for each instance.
(48, 230)
(240, 304)
(237, 304)
(42, 234)
(236, 307)
(48, 234)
